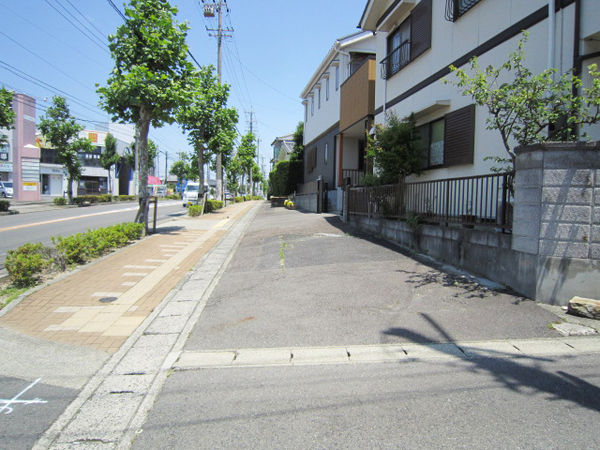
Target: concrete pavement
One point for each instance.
(254, 286)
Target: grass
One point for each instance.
(8, 293)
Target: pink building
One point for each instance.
(25, 155)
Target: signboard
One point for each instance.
(6, 167)
(93, 137)
(29, 186)
(3, 156)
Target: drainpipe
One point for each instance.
(551, 32)
(577, 61)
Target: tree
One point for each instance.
(395, 150)
(246, 154)
(234, 171)
(298, 136)
(152, 78)
(61, 130)
(110, 157)
(7, 115)
(210, 125)
(527, 108)
(152, 152)
(180, 169)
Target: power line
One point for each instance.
(87, 20)
(92, 34)
(102, 46)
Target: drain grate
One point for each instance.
(107, 299)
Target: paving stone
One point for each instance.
(376, 353)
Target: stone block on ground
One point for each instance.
(585, 307)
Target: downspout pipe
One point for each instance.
(577, 60)
(551, 33)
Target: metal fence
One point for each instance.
(483, 201)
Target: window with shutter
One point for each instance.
(459, 136)
(420, 29)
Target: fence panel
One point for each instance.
(484, 200)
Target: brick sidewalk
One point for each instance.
(103, 303)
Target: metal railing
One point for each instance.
(456, 8)
(483, 201)
(396, 60)
(354, 175)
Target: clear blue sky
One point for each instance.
(276, 47)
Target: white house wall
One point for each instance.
(452, 40)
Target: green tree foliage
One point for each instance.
(247, 154)
(7, 115)
(395, 150)
(209, 123)
(181, 170)
(284, 178)
(524, 109)
(234, 172)
(61, 131)
(298, 152)
(110, 157)
(152, 153)
(152, 78)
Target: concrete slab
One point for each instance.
(317, 355)
(573, 329)
(192, 360)
(263, 357)
(585, 345)
(537, 347)
(376, 353)
(167, 325)
(489, 349)
(432, 351)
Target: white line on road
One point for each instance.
(15, 400)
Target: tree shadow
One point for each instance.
(513, 374)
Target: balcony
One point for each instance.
(358, 95)
(456, 8)
(396, 60)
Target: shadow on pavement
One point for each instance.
(517, 377)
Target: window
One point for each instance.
(326, 153)
(409, 40)
(449, 141)
(456, 8)
(337, 77)
(319, 97)
(312, 106)
(327, 89)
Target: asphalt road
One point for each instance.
(305, 280)
(40, 226)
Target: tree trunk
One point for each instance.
(251, 181)
(70, 190)
(109, 181)
(200, 172)
(219, 169)
(142, 150)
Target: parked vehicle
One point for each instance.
(6, 189)
(190, 193)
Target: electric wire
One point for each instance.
(101, 39)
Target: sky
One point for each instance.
(60, 47)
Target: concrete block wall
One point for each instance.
(558, 186)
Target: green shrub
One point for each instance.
(212, 205)
(173, 197)
(256, 197)
(238, 199)
(247, 198)
(25, 264)
(4, 205)
(194, 210)
(285, 177)
(104, 198)
(59, 201)
(126, 198)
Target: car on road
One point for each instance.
(6, 189)
(228, 195)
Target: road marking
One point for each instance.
(15, 400)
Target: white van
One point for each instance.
(190, 193)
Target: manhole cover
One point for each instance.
(107, 299)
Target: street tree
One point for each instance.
(530, 108)
(152, 153)
(180, 169)
(62, 132)
(234, 171)
(110, 157)
(298, 137)
(246, 154)
(152, 77)
(209, 123)
(7, 115)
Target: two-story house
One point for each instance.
(283, 146)
(338, 107)
(417, 40)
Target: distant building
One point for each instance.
(282, 149)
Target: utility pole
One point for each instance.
(219, 33)
(166, 162)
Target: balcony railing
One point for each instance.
(483, 201)
(456, 8)
(396, 60)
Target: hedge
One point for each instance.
(4, 205)
(285, 177)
